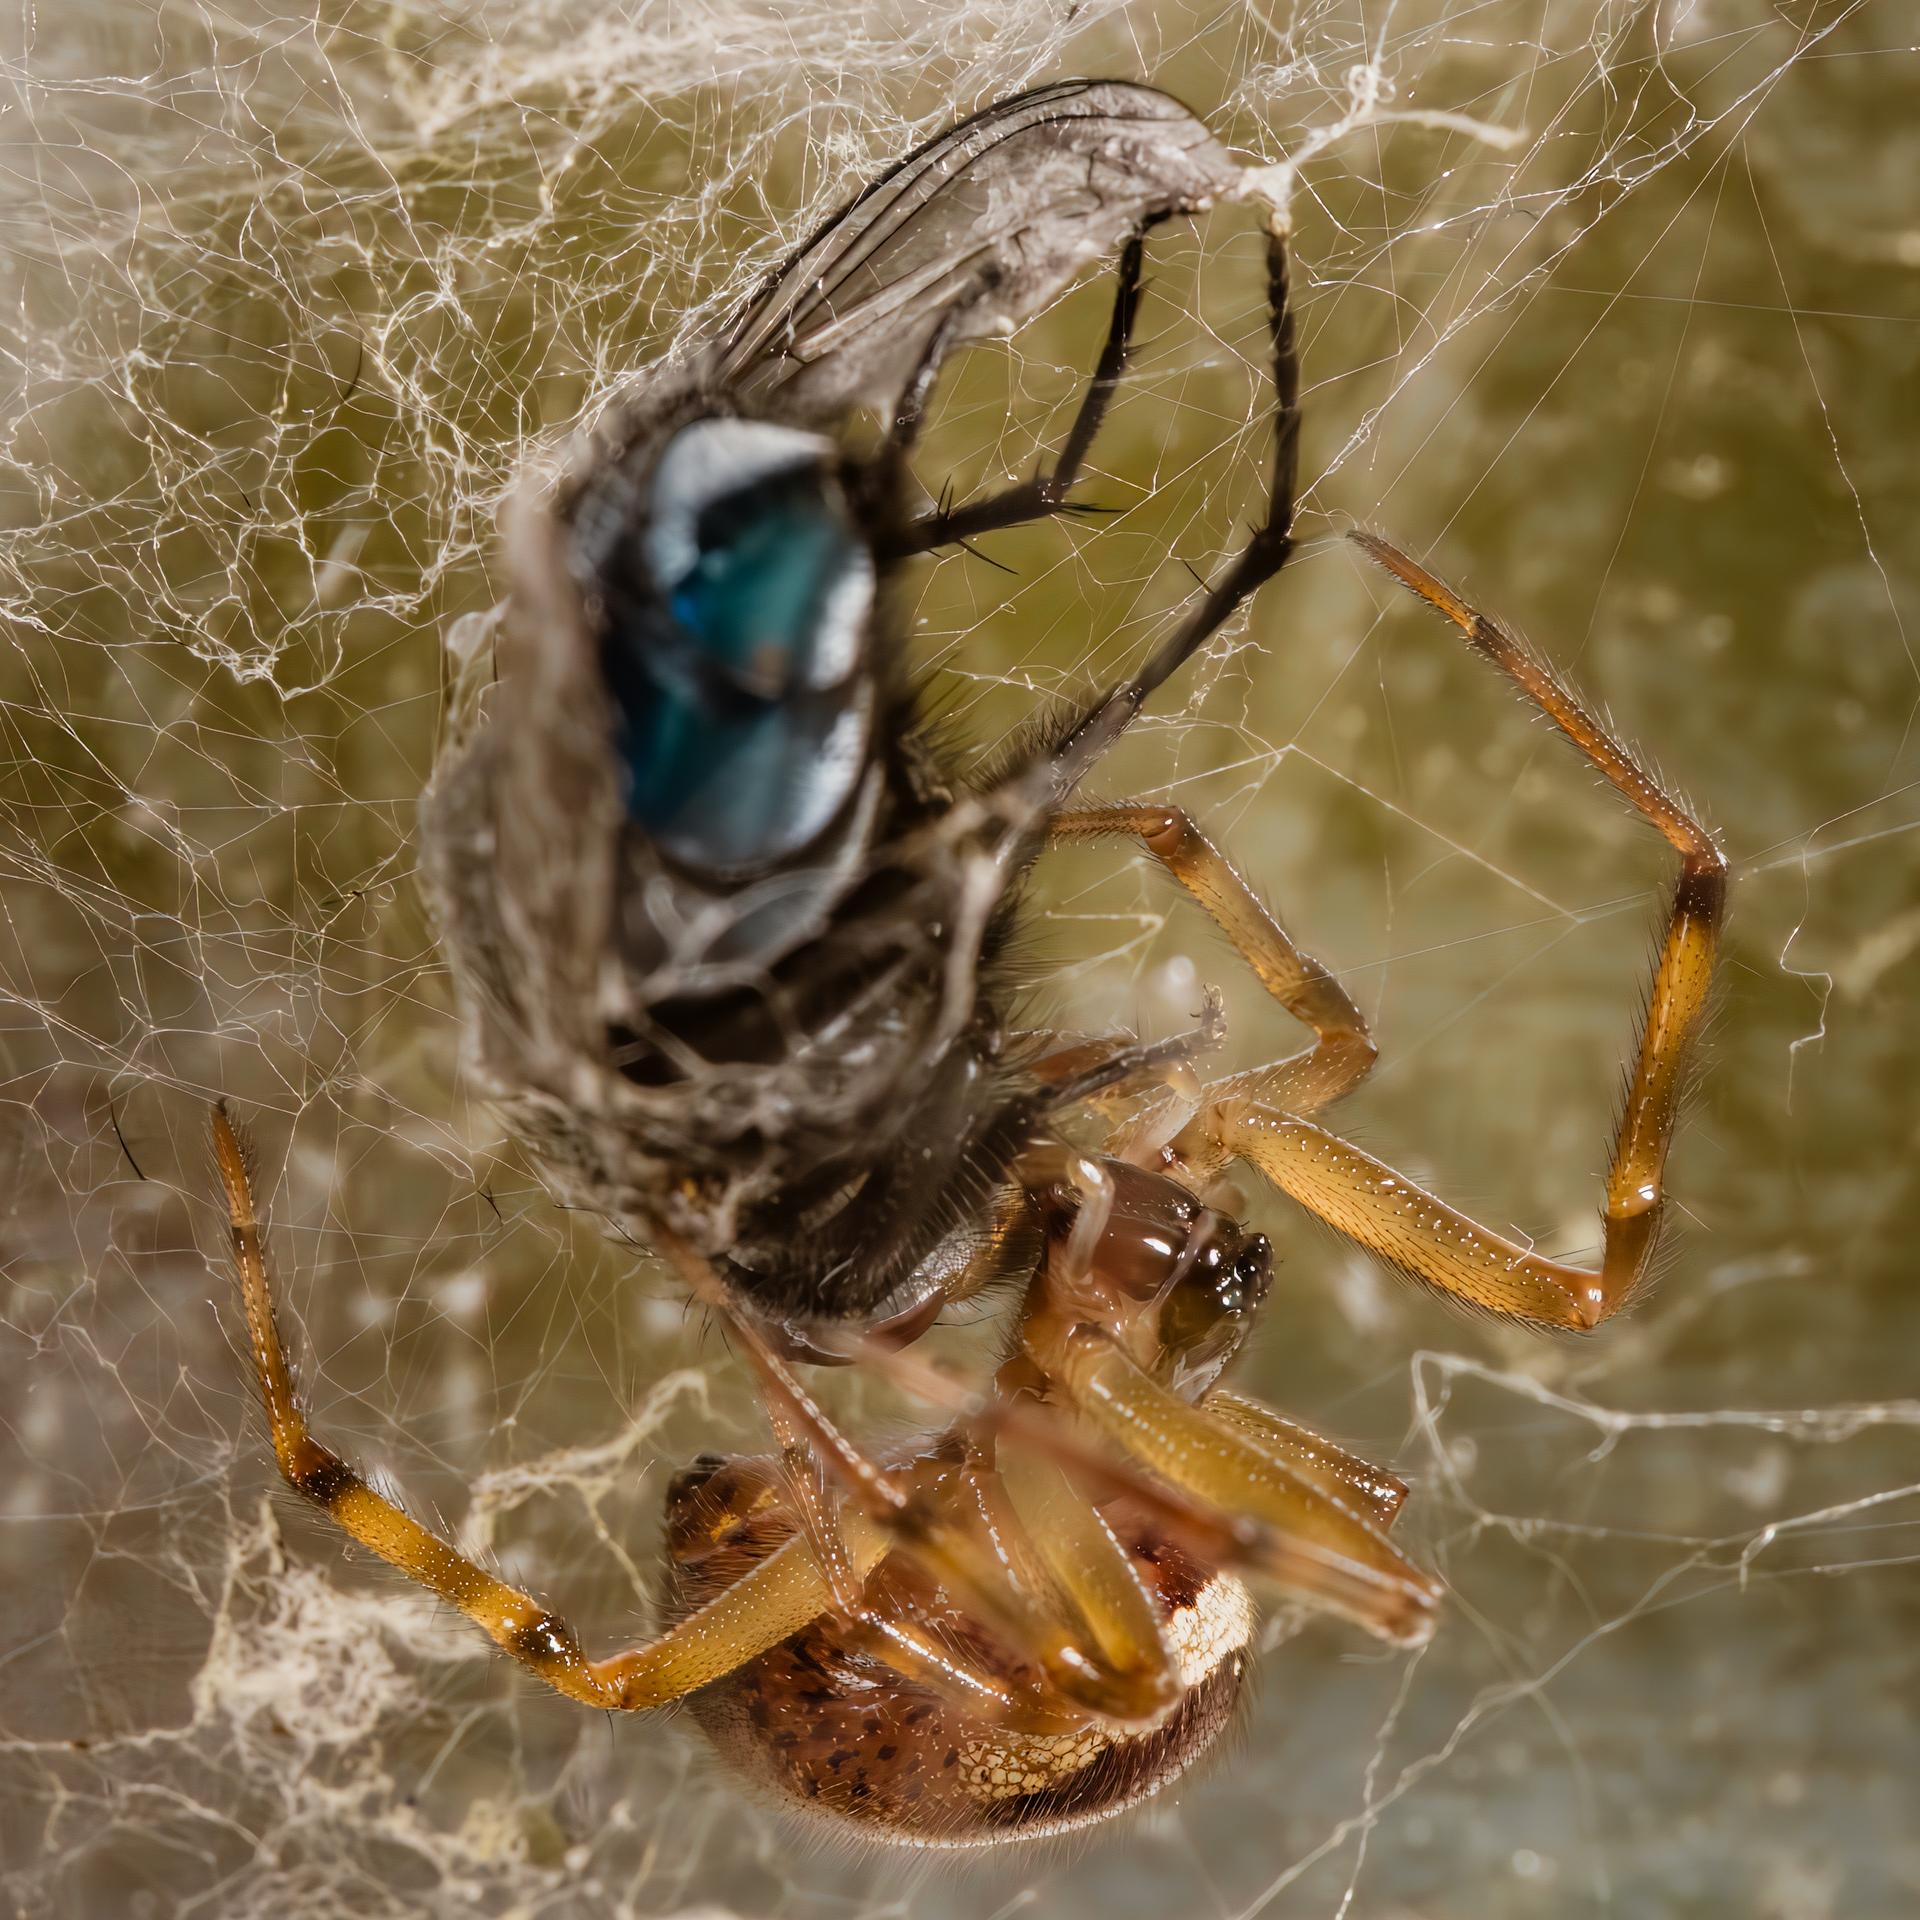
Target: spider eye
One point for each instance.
(734, 645)
(1204, 1317)
(1252, 1274)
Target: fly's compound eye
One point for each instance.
(734, 646)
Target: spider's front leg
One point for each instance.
(1397, 1220)
(1343, 1052)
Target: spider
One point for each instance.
(730, 929)
(1050, 1637)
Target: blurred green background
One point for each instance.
(293, 296)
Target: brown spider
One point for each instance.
(1036, 1618)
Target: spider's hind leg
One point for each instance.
(1343, 1052)
(775, 1599)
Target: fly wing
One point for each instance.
(973, 233)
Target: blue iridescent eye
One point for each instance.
(734, 647)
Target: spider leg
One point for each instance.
(1343, 1051)
(1395, 1219)
(1312, 1456)
(1326, 1548)
(1265, 553)
(1264, 1497)
(1093, 1653)
(774, 1600)
(1075, 1574)
(1046, 493)
(1117, 1062)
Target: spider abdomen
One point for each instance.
(828, 1729)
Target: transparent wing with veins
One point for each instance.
(968, 236)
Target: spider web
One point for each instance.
(292, 298)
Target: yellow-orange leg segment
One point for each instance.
(1396, 1219)
(814, 1451)
(1341, 1475)
(1343, 1050)
(774, 1600)
(1324, 1547)
(1063, 1555)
